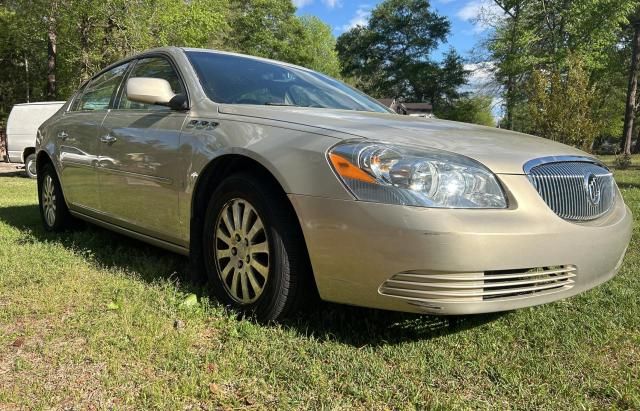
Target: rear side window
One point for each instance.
(153, 67)
(98, 93)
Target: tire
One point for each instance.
(254, 253)
(53, 208)
(30, 166)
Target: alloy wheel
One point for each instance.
(49, 200)
(242, 251)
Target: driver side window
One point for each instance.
(153, 67)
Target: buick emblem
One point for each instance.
(592, 186)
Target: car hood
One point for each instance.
(504, 152)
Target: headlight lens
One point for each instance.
(427, 178)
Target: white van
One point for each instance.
(22, 127)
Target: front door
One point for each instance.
(140, 169)
(77, 132)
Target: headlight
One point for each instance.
(393, 174)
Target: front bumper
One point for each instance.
(356, 247)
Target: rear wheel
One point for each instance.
(254, 254)
(53, 208)
(30, 166)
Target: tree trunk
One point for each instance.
(52, 52)
(84, 27)
(630, 112)
(510, 101)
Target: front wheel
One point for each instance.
(254, 252)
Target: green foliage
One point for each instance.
(319, 51)
(62, 346)
(561, 106)
(391, 56)
(623, 161)
(545, 37)
(92, 34)
(474, 109)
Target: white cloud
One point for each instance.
(480, 13)
(482, 81)
(359, 19)
(332, 4)
(302, 3)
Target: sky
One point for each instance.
(466, 31)
(344, 14)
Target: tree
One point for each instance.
(265, 28)
(319, 50)
(508, 44)
(544, 36)
(632, 92)
(391, 55)
(561, 106)
(473, 109)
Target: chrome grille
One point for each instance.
(574, 190)
(433, 288)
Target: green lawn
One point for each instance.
(91, 319)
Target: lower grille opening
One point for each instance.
(536, 280)
(434, 287)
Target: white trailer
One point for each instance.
(22, 128)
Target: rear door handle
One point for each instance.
(108, 139)
(63, 135)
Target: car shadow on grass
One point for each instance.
(325, 321)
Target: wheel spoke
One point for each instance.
(226, 271)
(253, 282)
(234, 283)
(235, 211)
(261, 269)
(245, 289)
(223, 253)
(245, 217)
(257, 226)
(261, 248)
(227, 223)
(223, 237)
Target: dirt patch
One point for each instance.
(11, 170)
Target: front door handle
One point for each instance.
(63, 135)
(108, 139)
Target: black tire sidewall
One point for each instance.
(249, 189)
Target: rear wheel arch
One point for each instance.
(209, 179)
(27, 152)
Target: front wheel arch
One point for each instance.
(208, 181)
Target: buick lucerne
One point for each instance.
(280, 182)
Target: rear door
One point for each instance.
(77, 133)
(141, 170)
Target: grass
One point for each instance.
(93, 320)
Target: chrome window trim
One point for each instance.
(560, 159)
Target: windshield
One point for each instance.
(233, 79)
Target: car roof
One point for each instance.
(229, 53)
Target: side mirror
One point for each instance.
(147, 90)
